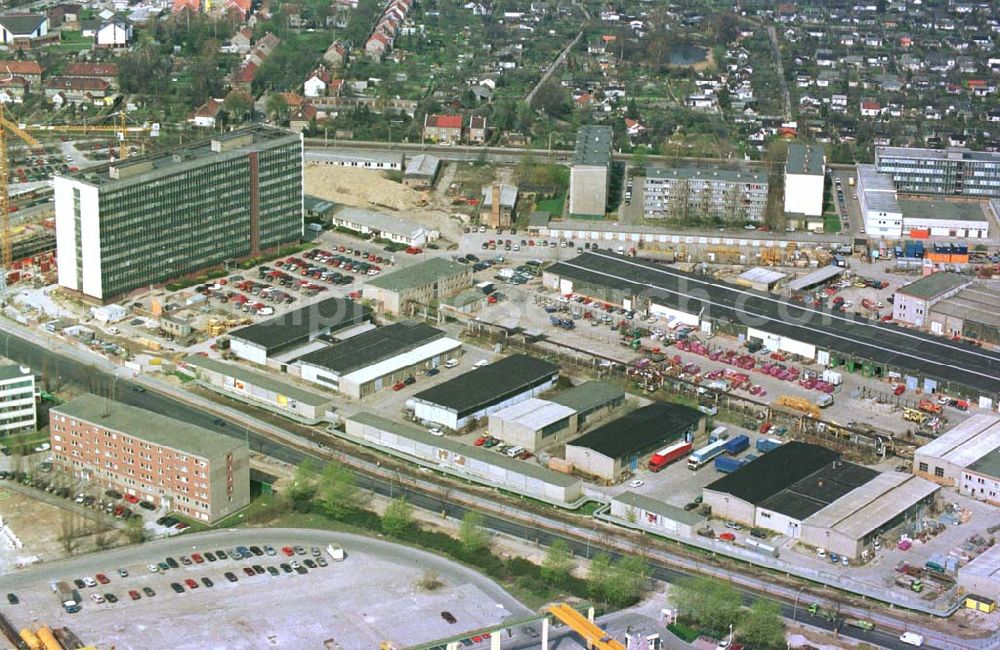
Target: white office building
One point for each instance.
(18, 399)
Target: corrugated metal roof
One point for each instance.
(281, 387)
(760, 275)
(886, 507)
(535, 413)
(967, 442)
(987, 565)
(816, 277)
(665, 510)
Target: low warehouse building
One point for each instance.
(736, 496)
(420, 284)
(851, 524)
(421, 171)
(380, 225)
(476, 464)
(982, 574)
(760, 278)
(591, 400)
(477, 393)
(912, 303)
(367, 363)
(259, 388)
(612, 451)
(654, 516)
(786, 511)
(264, 341)
(944, 459)
(533, 424)
(972, 313)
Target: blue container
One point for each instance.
(727, 465)
(737, 444)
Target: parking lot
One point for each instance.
(278, 606)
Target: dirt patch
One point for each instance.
(363, 188)
(41, 528)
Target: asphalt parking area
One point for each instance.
(339, 605)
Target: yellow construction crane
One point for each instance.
(22, 131)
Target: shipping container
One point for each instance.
(727, 465)
(738, 444)
(760, 547)
(718, 433)
(705, 455)
(765, 445)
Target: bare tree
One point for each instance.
(70, 532)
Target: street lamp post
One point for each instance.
(795, 606)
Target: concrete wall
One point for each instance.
(929, 467)
(517, 433)
(588, 190)
(804, 194)
(831, 540)
(491, 474)
(590, 462)
(650, 521)
(246, 391)
(446, 417)
(248, 351)
(725, 506)
(778, 522)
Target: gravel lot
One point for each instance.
(370, 597)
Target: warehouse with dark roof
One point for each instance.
(263, 341)
(832, 339)
(612, 451)
(479, 392)
(378, 358)
(808, 493)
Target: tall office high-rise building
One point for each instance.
(149, 219)
(952, 171)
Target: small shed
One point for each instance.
(760, 278)
(421, 171)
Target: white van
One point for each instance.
(336, 552)
(481, 363)
(912, 638)
(451, 363)
(514, 451)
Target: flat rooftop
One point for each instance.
(534, 413)
(588, 396)
(474, 390)
(658, 423)
(420, 274)
(372, 347)
(877, 190)
(967, 442)
(705, 174)
(149, 426)
(818, 276)
(818, 490)
(252, 377)
(761, 275)
(975, 304)
(988, 465)
(942, 210)
(870, 515)
(923, 153)
(933, 285)
(300, 324)
(593, 146)
(773, 472)
(806, 159)
(485, 456)
(380, 221)
(162, 164)
(977, 369)
(665, 510)
(371, 157)
(986, 565)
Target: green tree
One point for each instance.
(238, 104)
(762, 626)
(398, 517)
(135, 532)
(336, 491)
(277, 106)
(558, 563)
(303, 487)
(711, 603)
(627, 581)
(598, 577)
(472, 534)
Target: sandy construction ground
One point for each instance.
(370, 189)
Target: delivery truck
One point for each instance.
(669, 454)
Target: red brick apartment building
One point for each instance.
(186, 469)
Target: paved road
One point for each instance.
(71, 370)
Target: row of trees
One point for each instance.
(715, 605)
(331, 491)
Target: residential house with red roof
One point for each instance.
(301, 118)
(477, 129)
(104, 71)
(28, 71)
(76, 90)
(442, 128)
(193, 6)
(206, 114)
(335, 55)
(238, 9)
